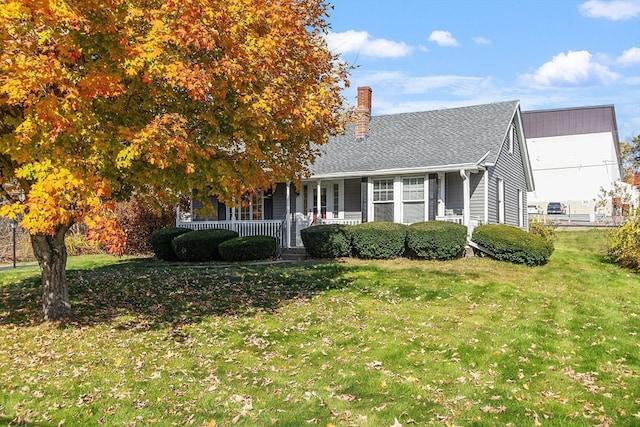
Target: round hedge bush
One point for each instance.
(378, 240)
(161, 242)
(513, 244)
(201, 245)
(436, 240)
(248, 248)
(326, 241)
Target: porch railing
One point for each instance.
(459, 219)
(273, 228)
(340, 221)
(474, 221)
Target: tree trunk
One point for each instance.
(51, 253)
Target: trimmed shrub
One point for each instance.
(624, 245)
(436, 240)
(378, 240)
(248, 248)
(513, 244)
(201, 245)
(161, 242)
(327, 241)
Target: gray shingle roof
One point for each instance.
(420, 140)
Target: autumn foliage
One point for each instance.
(101, 98)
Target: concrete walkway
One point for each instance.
(5, 267)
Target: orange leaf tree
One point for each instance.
(102, 98)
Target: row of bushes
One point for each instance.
(434, 240)
(386, 240)
(184, 244)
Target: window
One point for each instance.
(251, 207)
(520, 208)
(336, 200)
(501, 201)
(412, 200)
(305, 199)
(323, 203)
(383, 199)
(510, 136)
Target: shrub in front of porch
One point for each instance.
(248, 248)
(513, 244)
(378, 240)
(436, 240)
(327, 241)
(201, 245)
(161, 242)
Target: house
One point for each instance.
(468, 165)
(574, 153)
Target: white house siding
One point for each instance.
(280, 201)
(453, 193)
(571, 169)
(477, 189)
(509, 168)
(352, 198)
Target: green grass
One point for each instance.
(471, 342)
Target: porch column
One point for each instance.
(319, 203)
(441, 194)
(288, 215)
(466, 213)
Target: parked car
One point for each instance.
(533, 210)
(555, 208)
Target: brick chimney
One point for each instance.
(364, 112)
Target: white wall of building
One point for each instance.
(571, 169)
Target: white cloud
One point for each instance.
(481, 40)
(361, 42)
(571, 68)
(614, 10)
(629, 57)
(443, 38)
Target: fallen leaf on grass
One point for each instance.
(347, 397)
(491, 410)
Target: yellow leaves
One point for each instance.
(57, 197)
(163, 143)
(45, 35)
(171, 94)
(13, 211)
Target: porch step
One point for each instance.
(298, 253)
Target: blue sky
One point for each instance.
(429, 54)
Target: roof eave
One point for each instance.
(471, 167)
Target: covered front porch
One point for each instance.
(458, 196)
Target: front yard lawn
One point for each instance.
(346, 343)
